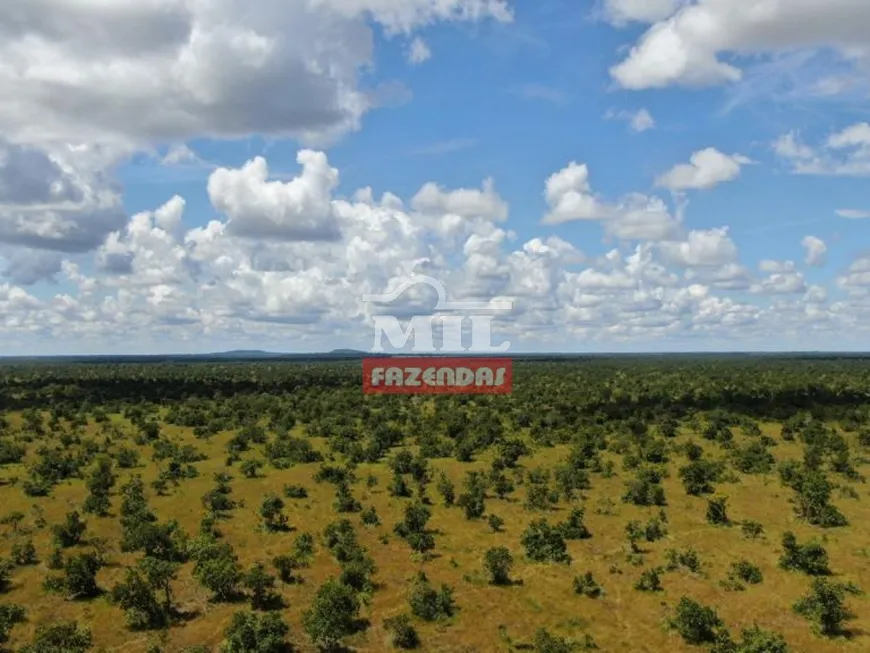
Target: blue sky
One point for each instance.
(704, 210)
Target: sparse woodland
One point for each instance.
(615, 504)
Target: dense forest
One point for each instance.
(610, 503)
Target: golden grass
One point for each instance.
(622, 620)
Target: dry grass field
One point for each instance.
(489, 618)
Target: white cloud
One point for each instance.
(857, 275)
(702, 248)
(249, 277)
(300, 209)
(853, 214)
(634, 217)
(706, 168)
(693, 46)
(776, 267)
(569, 196)
(192, 69)
(621, 12)
(638, 217)
(641, 121)
(54, 200)
(418, 51)
(816, 251)
(638, 121)
(845, 153)
(464, 202)
(780, 283)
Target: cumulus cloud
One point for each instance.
(569, 196)
(844, 153)
(194, 69)
(300, 209)
(25, 267)
(702, 248)
(54, 200)
(780, 283)
(622, 12)
(463, 202)
(694, 44)
(706, 168)
(816, 251)
(158, 278)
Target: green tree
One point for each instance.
(498, 562)
(402, 632)
(332, 615)
(825, 605)
(261, 585)
(61, 637)
(70, 532)
(270, 511)
(10, 614)
(543, 543)
(697, 624)
(217, 569)
(251, 632)
(136, 596)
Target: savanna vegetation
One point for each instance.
(615, 504)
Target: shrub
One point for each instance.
(654, 530)
(137, 598)
(742, 572)
(402, 632)
(544, 642)
(250, 632)
(687, 558)
(295, 492)
(270, 512)
(811, 558)
(285, 565)
(756, 640)
(645, 489)
(70, 532)
(24, 553)
(498, 562)
(699, 475)
(333, 614)
(369, 517)
(754, 458)
(543, 543)
(217, 569)
(649, 581)
(428, 603)
(59, 637)
(261, 585)
(747, 572)
(344, 499)
(751, 529)
(81, 576)
(495, 523)
(825, 605)
(697, 624)
(10, 614)
(586, 585)
(574, 528)
(251, 467)
(303, 547)
(446, 490)
(472, 500)
(717, 513)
